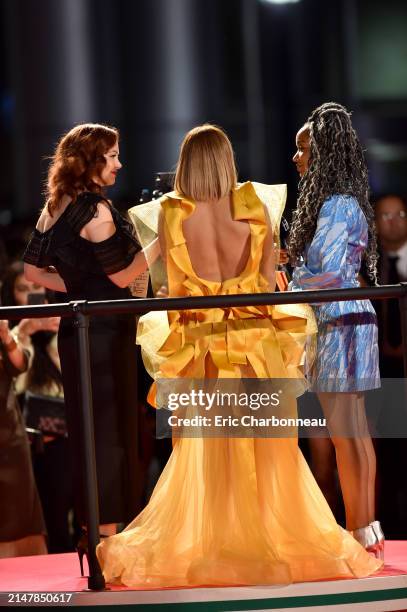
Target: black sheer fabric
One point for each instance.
(36, 250)
(84, 267)
(109, 256)
(115, 253)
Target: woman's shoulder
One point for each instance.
(172, 199)
(60, 231)
(48, 218)
(340, 205)
(76, 212)
(86, 206)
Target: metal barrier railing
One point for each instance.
(81, 310)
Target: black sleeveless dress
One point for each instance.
(84, 267)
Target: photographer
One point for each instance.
(22, 525)
(40, 386)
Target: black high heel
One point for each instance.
(82, 548)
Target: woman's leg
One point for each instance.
(25, 547)
(355, 456)
(108, 529)
(323, 467)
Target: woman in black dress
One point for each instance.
(95, 256)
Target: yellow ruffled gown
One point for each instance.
(231, 511)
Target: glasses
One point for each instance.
(387, 216)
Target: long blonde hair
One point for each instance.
(206, 167)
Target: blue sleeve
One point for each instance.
(326, 257)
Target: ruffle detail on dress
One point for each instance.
(113, 254)
(269, 340)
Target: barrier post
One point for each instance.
(81, 310)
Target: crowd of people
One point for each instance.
(214, 236)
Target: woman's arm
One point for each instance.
(140, 263)
(326, 265)
(101, 228)
(268, 261)
(28, 327)
(11, 347)
(45, 278)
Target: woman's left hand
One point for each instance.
(4, 330)
(162, 292)
(283, 259)
(15, 353)
(28, 327)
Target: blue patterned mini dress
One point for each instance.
(347, 356)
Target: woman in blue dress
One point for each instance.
(333, 228)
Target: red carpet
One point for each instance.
(61, 572)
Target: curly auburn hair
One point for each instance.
(78, 157)
(336, 166)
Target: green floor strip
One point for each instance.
(304, 601)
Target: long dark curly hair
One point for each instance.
(336, 166)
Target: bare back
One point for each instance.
(99, 228)
(46, 221)
(218, 246)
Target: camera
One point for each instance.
(163, 182)
(34, 299)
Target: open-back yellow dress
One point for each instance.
(230, 511)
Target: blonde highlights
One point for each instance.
(206, 167)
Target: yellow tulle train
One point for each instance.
(234, 512)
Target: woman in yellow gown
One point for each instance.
(227, 511)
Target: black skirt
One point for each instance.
(115, 414)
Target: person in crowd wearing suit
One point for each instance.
(40, 392)
(391, 223)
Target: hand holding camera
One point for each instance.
(5, 335)
(31, 326)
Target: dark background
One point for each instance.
(155, 68)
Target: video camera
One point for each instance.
(163, 183)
